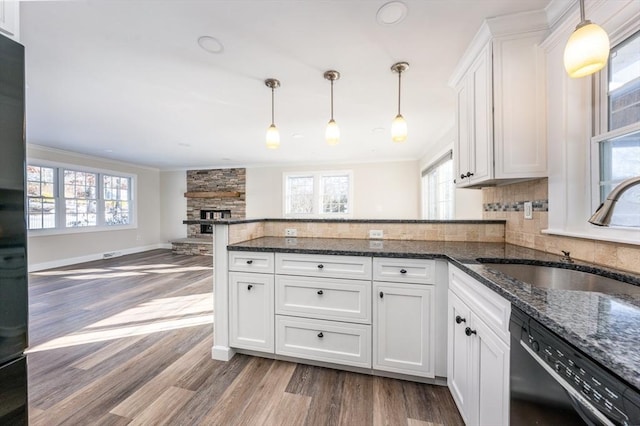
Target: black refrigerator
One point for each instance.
(13, 236)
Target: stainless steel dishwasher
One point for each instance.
(552, 383)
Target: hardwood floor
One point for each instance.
(127, 341)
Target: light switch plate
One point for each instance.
(528, 210)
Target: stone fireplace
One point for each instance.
(212, 194)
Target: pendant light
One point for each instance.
(332, 134)
(273, 136)
(587, 50)
(399, 124)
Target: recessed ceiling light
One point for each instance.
(186, 145)
(391, 13)
(108, 150)
(378, 130)
(297, 136)
(226, 159)
(210, 44)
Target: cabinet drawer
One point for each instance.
(357, 267)
(249, 261)
(414, 271)
(328, 341)
(490, 307)
(324, 298)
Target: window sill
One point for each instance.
(88, 229)
(612, 235)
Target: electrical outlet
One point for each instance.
(376, 234)
(528, 210)
(375, 245)
(291, 232)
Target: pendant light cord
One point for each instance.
(272, 107)
(399, 89)
(332, 99)
(582, 11)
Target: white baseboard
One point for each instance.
(96, 256)
(222, 353)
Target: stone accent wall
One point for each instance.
(192, 249)
(525, 232)
(215, 180)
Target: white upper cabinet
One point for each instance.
(500, 113)
(10, 19)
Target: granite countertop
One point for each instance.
(605, 327)
(232, 221)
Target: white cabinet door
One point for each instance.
(10, 18)
(481, 154)
(463, 139)
(492, 387)
(403, 328)
(459, 355)
(251, 311)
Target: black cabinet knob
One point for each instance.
(381, 295)
(462, 176)
(403, 271)
(468, 331)
(320, 266)
(249, 287)
(320, 335)
(249, 262)
(469, 174)
(459, 319)
(320, 292)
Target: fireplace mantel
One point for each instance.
(209, 194)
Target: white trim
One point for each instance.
(86, 156)
(613, 235)
(91, 257)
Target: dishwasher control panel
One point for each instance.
(609, 394)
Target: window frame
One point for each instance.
(448, 156)
(600, 127)
(317, 194)
(60, 199)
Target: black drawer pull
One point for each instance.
(320, 292)
(462, 176)
(403, 271)
(249, 262)
(320, 335)
(249, 287)
(459, 319)
(468, 331)
(381, 295)
(320, 266)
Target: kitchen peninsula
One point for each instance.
(604, 326)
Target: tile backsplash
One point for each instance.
(507, 203)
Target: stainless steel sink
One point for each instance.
(563, 279)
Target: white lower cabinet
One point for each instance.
(251, 311)
(478, 359)
(403, 328)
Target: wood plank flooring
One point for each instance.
(127, 341)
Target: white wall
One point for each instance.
(388, 190)
(173, 205)
(468, 202)
(55, 250)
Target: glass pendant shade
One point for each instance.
(332, 134)
(399, 129)
(273, 137)
(587, 51)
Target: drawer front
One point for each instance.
(355, 267)
(489, 306)
(249, 261)
(324, 298)
(328, 341)
(413, 271)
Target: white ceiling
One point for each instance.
(127, 80)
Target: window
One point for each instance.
(438, 189)
(324, 194)
(41, 197)
(617, 146)
(116, 199)
(87, 199)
